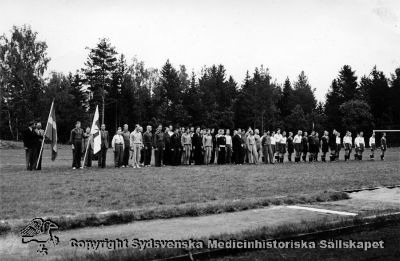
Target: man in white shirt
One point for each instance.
(372, 145)
(118, 146)
(360, 145)
(297, 145)
(347, 143)
(273, 144)
(228, 140)
(277, 139)
(136, 141)
(338, 145)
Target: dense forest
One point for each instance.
(129, 92)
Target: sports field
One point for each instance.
(59, 190)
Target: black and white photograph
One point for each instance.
(223, 130)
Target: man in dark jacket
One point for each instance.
(103, 147)
(127, 149)
(176, 147)
(197, 144)
(147, 145)
(30, 139)
(237, 144)
(159, 146)
(75, 140)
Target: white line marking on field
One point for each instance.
(324, 210)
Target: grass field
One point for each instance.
(58, 189)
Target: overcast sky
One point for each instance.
(287, 36)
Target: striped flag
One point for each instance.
(95, 131)
(51, 131)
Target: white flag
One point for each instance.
(95, 131)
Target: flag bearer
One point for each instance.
(30, 139)
(88, 147)
(40, 133)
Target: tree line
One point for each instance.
(130, 92)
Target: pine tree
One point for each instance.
(296, 120)
(100, 67)
(333, 102)
(303, 94)
(168, 96)
(284, 104)
(344, 88)
(347, 82)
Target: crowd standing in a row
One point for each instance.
(185, 146)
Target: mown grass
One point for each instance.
(59, 190)
(183, 210)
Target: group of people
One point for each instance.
(186, 146)
(32, 139)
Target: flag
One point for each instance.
(51, 131)
(95, 131)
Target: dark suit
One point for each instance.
(159, 146)
(103, 150)
(167, 151)
(176, 147)
(147, 143)
(30, 139)
(237, 144)
(127, 149)
(221, 144)
(197, 143)
(76, 139)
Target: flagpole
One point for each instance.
(90, 135)
(44, 135)
(87, 147)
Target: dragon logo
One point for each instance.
(41, 232)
